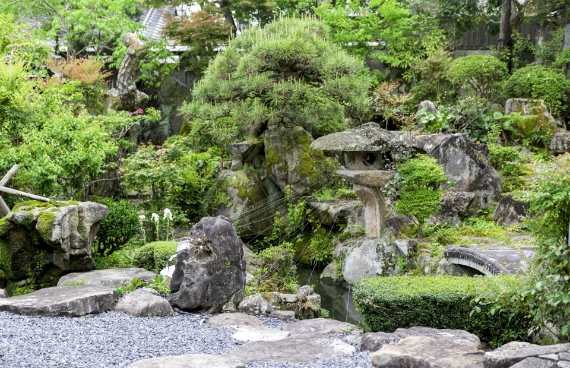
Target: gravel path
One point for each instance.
(117, 340)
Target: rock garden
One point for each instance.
(285, 184)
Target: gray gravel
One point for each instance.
(117, 340)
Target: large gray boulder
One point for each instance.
(525, 106)
(113, 277)
(144, 303)
(375, 340)
(509, 211)
(426, 352)
(61, 301)
(560, 143)
(505, 358)
(210, 270)
(370, 258)
(49, 240)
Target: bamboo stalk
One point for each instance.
(23, 194)
(9, 175)
(4, 208)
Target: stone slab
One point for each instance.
(114, 277)
(3, 293)
(259, 333)
(61, 302)
(295, 349)
(233, 319)
(508, 358)
(374, 341)
(535, 363)
(285, 316)
(190, 361)
(425, 352)
(319, 326)
(564, 356)
(564, 364)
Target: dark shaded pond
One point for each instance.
(337, 299)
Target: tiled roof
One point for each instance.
(154, 20)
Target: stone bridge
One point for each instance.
(490, 259)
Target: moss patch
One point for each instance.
(5, 257)
(4, 226)
(27, 205)
(44, 225)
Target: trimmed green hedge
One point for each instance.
(153, 256)
(449, 302)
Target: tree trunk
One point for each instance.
(228, 16)
(505, 25)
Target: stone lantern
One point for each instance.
(369, 155)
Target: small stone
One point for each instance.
(315, 299)
(143, 303)
(288, 298)
(254, 304)
(21, 283)
(564, 356)
(535, 363)
(305, 290)
(229, 307)
(3, 293)
(285, 316)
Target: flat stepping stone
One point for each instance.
(294, 349)
(190, 361)
(422, 351)
(61, 302)
(320, 326)
(259, 333)
(233, 319)
(114, 277)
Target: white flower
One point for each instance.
(155, 217)
(167, 214)
(142, 217)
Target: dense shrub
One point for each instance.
(118, 228)
(481, 73)
(277, 270)
(539, 82)
(154, 256)
(449, 302)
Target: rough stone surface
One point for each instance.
(254, 304)
(305, 290)
(454, 207)
(331, 274)
(285, 316)
(425, 352)
(535, 363)
(252, 200)
(210, 271)
(369, 259)
(337, 211)
(57, 238)
(513, 345)
(233, 319)
(141, 303)
(507, 358)
(526, 106)
(466, 164)
(490, 259)
(3, 293)
(61, 302)
(113, 277)
(190, 361)
(509, 211)
(375, 340)
(297, 349)
(560, 143)
(236, 151)
(319, 326)
(398, 223)
(407, 247)
(259, 333)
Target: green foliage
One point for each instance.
(420, 178)
(408, 36)
(277, 270)
(17, 44)
(549, 285)
(432, 83)
(118, 228)
(388, 303)
(539, 82)
(508, 162)
(533, 130)
(122, 258)
(330, 194)
(288, 74)
(174, 176)
(478, 74)
(154, 256)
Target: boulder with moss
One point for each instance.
(252, 199)
(40, 241)
(290, 161)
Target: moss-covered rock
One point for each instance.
(290, 161)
